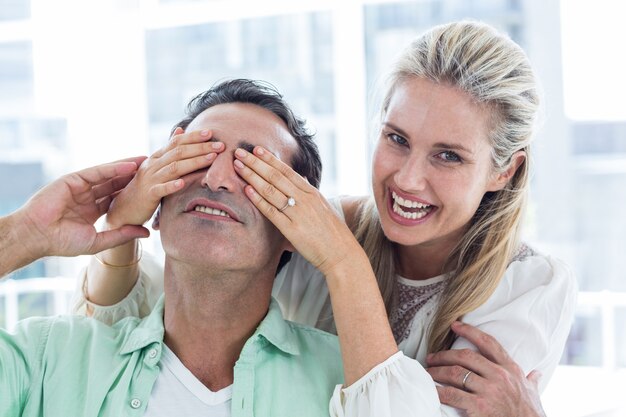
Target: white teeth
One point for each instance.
(414, 216)
(407, 203)
(209, 210)
(399, 203)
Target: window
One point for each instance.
(14, 10)
(16, 77)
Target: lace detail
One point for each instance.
(410, 301)
(523, 252)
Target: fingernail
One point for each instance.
(178, 183)
(260, 151)
(241, 153)
(210, 156)
(205, 132)
(216, 145)
(238, 163)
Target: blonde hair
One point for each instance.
(496, 73)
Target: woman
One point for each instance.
(450, 180)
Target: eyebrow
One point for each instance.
(396, 128)
(443, 145)
(242, 144)
(453, 146)
(246, 145)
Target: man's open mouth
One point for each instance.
(209, 210)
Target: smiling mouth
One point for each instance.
(213, 211)
(408, 209)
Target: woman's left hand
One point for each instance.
(485, 384)
(318, 234)
(296, 208)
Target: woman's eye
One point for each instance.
(397, 139)
(449, 156)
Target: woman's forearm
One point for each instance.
(364, 333)
(312, 226)
(111, 274)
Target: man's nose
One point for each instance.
(221, 175)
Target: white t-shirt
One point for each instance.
(177, 392)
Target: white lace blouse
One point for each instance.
(530, 314)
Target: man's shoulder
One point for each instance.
(65, 328)
(315, 340)
(60, 339)
(318, 352)
(82, 323)
(312, 332)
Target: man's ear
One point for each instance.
(501, 179)
(155, 222)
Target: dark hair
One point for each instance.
(306, 161)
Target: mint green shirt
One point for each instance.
(79, 367)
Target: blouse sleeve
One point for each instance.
(400, 386)
(530, 314)
(138, 303)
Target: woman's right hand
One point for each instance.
(114, 272)
(160, 175)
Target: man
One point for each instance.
(216, 344)
(59, 219)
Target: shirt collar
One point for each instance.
(274, 328)
(148, 331)
(278, 331)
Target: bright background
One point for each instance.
(89, 81)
